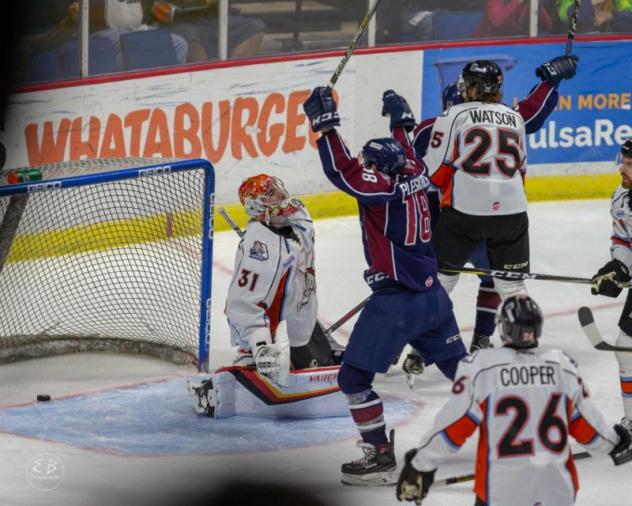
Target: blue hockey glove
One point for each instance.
(397, 108)
(321, 109)
(562, 67)
(413, 485)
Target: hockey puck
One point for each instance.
(43, 397)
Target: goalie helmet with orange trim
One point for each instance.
(265, 199)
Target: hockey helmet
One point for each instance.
(452, 95)
(626, 150)
(386, 154)
(484, 75)
(265, 196)
(519, 322)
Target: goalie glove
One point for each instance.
(271, 362)
(413, 485)
(622, 453)
(603, 283)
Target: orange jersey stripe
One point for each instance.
(460, 430)
(480, 481)
(582, 431)
(626, 386)
(570, 466)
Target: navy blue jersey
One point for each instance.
(394, 214)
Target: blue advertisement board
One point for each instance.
(594, 112)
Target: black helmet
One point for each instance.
(626, 148)
(484, 75)
(519, 322)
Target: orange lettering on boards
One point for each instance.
(53, 145)
(251, 126)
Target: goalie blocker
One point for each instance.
(237, 390)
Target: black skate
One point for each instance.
(413, 364)
(377, 467)
(202, 395)
(480, 341)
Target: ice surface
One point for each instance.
(566, 238)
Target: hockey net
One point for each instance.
(107, 255)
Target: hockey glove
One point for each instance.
(268, 360)
(321, 109)
(622, 453)
(397, 108)
(562, 67)
(604, 281)
(413, 364)
(413, 485)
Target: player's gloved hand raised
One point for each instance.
(397, 108)
(321, 109)
(622, 453)
(604, 282)
(561, 67)
(413, 485)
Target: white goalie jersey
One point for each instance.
(525, 404)
(477, 159)
(621, 246)
(274, 280)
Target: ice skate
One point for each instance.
(377, 467)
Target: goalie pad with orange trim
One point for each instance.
(310, 393)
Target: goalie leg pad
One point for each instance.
(625, 372)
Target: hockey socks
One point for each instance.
(487, 303)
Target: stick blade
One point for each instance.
(587, 321)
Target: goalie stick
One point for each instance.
(591, 331)
(512, 275)
(470, 477)
(336, 346)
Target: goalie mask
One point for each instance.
(483, 75)
(386, 154)
(265, 198)
(519, 322)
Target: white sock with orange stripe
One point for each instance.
(625, 373)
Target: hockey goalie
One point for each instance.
(274, 281)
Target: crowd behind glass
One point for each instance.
(129, 35)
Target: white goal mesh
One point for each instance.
(107, 255)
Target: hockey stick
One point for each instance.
(572, 26)
(352, 46)
(587, 321)
(470, 477)
(516, 276)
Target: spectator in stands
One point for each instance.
(412, 20)
(598, 15)
(197, 22)
(506, 18)
(107, 18)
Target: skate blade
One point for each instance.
(383, 479)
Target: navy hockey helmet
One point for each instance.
(484, 75)
(519, 322)
(451, 95)
(625, 151)
(386, 154)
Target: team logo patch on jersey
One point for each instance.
(259, 251)
(429, 281)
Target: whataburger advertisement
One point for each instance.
(249, 119)
(593, 115)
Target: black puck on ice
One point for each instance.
(43, 397)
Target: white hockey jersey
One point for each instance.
(526, 404)
(274, 280)
(621, 246)
(477, 159)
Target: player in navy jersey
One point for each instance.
(535, 108)
(408, 304)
